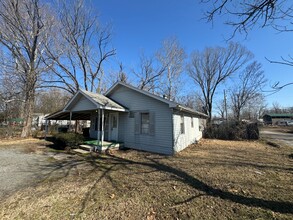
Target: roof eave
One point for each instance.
(191, 111)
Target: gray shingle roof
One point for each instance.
(102, 100)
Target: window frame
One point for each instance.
(182, 124)
(138, 127)
(144, 121)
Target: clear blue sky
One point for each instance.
(143, 24)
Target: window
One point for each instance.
(192, 122)
(145, 123)
(182, 131)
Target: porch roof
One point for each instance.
(65, 115)
(98, 101)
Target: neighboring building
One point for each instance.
(277, 119)
(137, 118)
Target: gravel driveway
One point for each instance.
(19, 169)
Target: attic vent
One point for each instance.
(131, 114)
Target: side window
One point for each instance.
(192, 122)
(145, 123)
(182, 130)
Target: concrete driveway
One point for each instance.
(275, 135)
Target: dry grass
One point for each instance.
(211, 180)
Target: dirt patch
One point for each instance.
(211, 180)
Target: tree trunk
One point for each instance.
(29, 110)
(209, 112)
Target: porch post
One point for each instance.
(102, 137)
(98, 127)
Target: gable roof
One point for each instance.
(171, 104)
(99, 100)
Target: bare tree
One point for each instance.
(213, 66)
(122, 76)
(171, 56)
(51, 100)
(11, 98)
(251, 81)
(221, 108)
(24, 29)
(246, 14)
(148, 74)
(255, 108)
(277, 108)
(82, 45)
(192, 101)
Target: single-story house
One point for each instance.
(275, 119)
(137, 118)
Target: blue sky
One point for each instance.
(142, 26)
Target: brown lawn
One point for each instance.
(210, 180)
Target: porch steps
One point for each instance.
(108, 146)
(86, 147)
(81, 151)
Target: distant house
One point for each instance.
(137, 118)
(275, 119)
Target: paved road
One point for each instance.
(286, 138)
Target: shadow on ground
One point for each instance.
(106, 164)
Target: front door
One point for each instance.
(113, 126)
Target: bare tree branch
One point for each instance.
(213, 66)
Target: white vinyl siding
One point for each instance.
(190, 135)
(159, 139)
(83, 104)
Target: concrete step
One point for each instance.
(86, 147)
(80, 151)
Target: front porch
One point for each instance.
(103, 114)
(95, 145)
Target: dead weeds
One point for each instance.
(210, 180)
